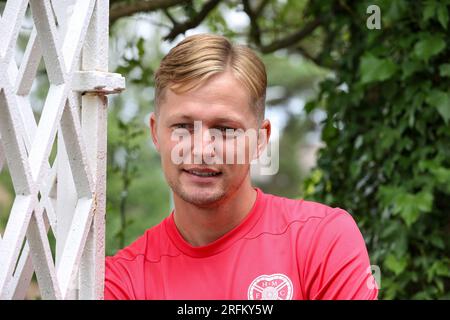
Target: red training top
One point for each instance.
(283, 249)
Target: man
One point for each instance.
(226, 239)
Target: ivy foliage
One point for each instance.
(387, 136)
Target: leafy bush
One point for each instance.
(387, 135)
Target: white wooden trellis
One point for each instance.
(67, 195)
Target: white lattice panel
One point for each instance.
(68, 195)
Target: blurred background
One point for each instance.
(359, 96)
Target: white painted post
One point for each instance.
(68, 195)
(94, 119)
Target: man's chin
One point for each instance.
(201, 197)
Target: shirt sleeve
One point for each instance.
(115, 281)
(337, 265)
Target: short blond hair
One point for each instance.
(195, 59)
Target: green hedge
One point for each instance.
(387, 135)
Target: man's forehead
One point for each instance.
(190, 104)
(187, 116)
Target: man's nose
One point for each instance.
(203, 144)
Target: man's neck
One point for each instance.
(201, 226)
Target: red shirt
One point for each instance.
(283, 249)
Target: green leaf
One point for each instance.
(388, 194)
(396, 264)
(408, 206)
(442, 15)
(440, 285)
(442, 174)
(429, 11)
(429, 45)
(438, 268)
(441, 101)
(388, 137)
(309, 106)
(437, 241)
(373, 69)
(444, 70)
(409, 67)
(396, 9)
(424, 201)
(442, 268)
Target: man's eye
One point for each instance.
(225, 129)
(182, 126)
(227, 132)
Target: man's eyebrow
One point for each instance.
(230, 120)
(180, 117)
(184, 117)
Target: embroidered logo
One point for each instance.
(271, 287)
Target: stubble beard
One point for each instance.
(203, 196)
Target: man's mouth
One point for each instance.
(203, 173)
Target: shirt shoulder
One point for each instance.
(332, 258)
(125, 270)
(153, 244)
(280, 213)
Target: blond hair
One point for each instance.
(195, 59)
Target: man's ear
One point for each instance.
(263, 136)
(153, 130)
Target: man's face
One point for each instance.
(200, 118)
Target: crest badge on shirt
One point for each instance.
(271, 287)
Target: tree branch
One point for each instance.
(293, 38)
(194, 22)
(259, 9)
(317, 61)
(255, 31)
(171, 18)
(126, 8)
